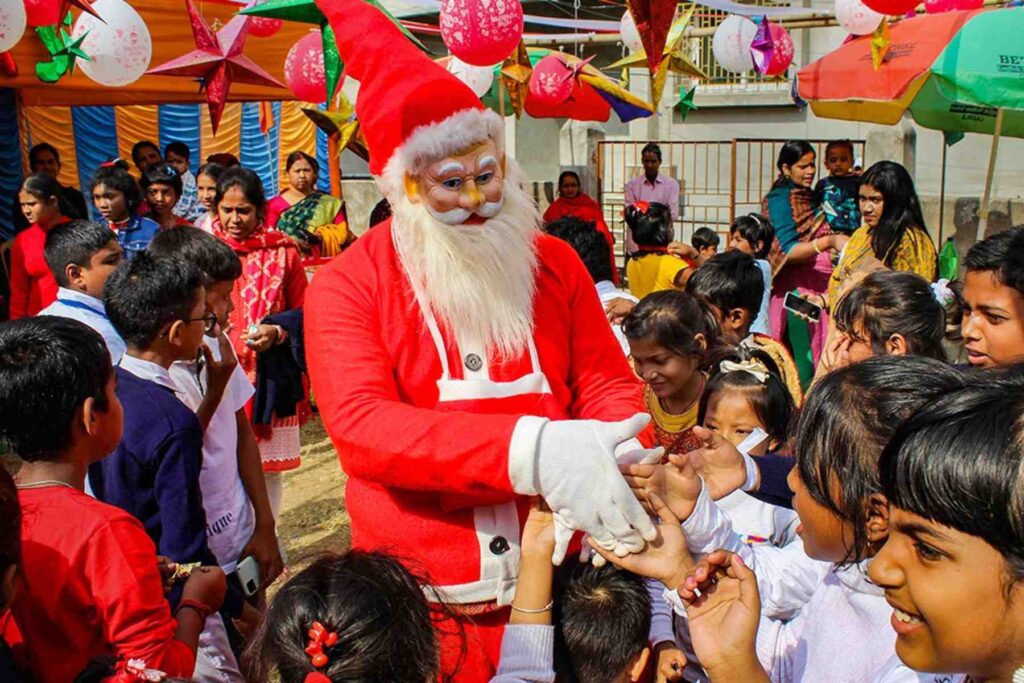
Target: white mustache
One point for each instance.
(459, 216)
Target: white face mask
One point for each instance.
(460, 216)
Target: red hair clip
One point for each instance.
(641, 206)
(319, 638)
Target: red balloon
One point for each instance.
(552, 81)
(481, 32)
(43, 12)
(782, 51)
(937, 6)
(262, 27)
(892, 7)
(304, 69)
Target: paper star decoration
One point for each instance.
(84, 5)
(880, 44)
(653, 19)
(515, 76)
(342, 125)
(674, 58)
(63, 49)
(685, 104)
(762, 47)
(217, 60)
(306, 12)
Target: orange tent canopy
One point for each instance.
(171, 32)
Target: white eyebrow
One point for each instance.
(452, 166)
(489, 160)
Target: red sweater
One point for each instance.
(90, 587)
(33, 286)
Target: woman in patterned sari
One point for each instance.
(272, 281)
(314, 220)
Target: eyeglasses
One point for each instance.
(209, 321)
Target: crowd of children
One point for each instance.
(870, 530)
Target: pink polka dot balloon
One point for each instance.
(937, 6)
(12, 24)
(42, 12)
(263, 27)
(856, 17)
(304, 68)
(773, 59)
(892, 8)
(119, 46)
(481, 32)
(551, 81)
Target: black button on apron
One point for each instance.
(499, 545)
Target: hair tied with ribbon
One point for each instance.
(319, 639)
(752, 367)
(942, 292)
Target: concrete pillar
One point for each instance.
(893, 143)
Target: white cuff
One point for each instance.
(522, 454)
(753, 474)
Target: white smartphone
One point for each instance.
(248, 571)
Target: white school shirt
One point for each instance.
(230, 519)
(90, 311)
(606, 291)
(896, 671)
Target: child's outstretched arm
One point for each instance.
(528, 646)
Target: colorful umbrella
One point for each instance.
(594, 96)
(955, 72)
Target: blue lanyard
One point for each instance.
(84, 307)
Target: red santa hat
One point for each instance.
(411, 110)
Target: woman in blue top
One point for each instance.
(804, 236)
(117, 197)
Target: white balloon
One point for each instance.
(627, 31)
(12, 23)
(478, 78)
(120, 49)
(731, 43)
(856, 17)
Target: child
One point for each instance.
(32, 285)
(162, 186)
(116, 196)
(602, 617)
(837, 192)
(10, 557)
(672, 339)
(731, 284)
(652, 268)
(754, 235)
(89, 578)
(993, 294)
(887, 313)
(240, 522)
(206, 189)
(705, 241)
(593, 250)
(188, 208)
(955, 550)
(827, 620)
(364, 616)
(82, 255)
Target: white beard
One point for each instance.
(478, 279)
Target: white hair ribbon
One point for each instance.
(751, 367)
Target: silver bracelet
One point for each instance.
(546, 608)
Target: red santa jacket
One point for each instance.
(430, 482)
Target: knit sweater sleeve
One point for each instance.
(527, 654)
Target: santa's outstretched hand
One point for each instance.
(574, 469)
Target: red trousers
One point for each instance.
(476, 640)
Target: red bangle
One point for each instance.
(199, 607)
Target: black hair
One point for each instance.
(225, 159)
(565, 174)
(651, 228)
(1002, 255)
(729, 280)
(117, 177)
(10, 524)
(755, 228)
(958, 462)
(146, 294)
(42, 147)
(847, 419)
(210, 169)
(297, 156)
(216, 259)
(705, 237)
(248, 182)
(839, 143)
(651, 147)
(41, 186)
(141, 145)
(74, 242)
(386, 627)
(381, 212)
(673, 319)
(792, 152)
(179, 148)
(584, 238)
(901, 212)
(49, 366)
(162, 174)
(770, 399)
(602, 618)
(891, 302)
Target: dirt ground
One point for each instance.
(313, 516)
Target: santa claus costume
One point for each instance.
(444, 356)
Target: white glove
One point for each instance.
(576, 473)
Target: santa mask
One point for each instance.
(462, 188)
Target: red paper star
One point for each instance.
(217, 61)
(653, 19)
(84, 5)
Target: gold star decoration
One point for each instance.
(515, 76)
